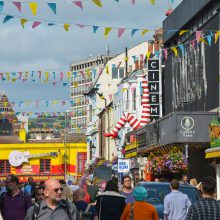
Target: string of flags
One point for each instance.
(53, 5)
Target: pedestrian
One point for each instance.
(208, 208)
(127, 189)
(91, 190)
(86, 211)
(14, 203)
(184, 179)
(67, 193)
(30, 187)
(53, 207)
(139, 210)
(2, 187)
(39, 194)
(176, 203)
(110, 204)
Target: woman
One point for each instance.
(110, 204)
(139, 210)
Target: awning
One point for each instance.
(212, 152)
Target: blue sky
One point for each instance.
(53, 48)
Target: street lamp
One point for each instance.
(92, 149)
(65, 146)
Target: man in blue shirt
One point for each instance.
(176, 203)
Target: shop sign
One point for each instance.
(155, 91)
(214, 133)
(187, 124)
(123, 165)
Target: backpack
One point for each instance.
(86, 215)
(63, 203)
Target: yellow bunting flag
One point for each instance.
(204, 41)
(97, 2)
(88, 73)
(217, 34)
(152, 2)
(66, 27)
(14, 79)
(5, 104)
(75, 84)
(124, 89)
(144, 32)
(148, 55)
(23, 21)
(33, 7)
(68, 75)
(8, 76)
(175, 51)
(54, 102)
(46, 77)
(107, 70)
(107, 30)
(183, 32)
(26, 75)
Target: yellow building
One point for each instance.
(42, 160)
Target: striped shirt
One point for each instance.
(206, 209)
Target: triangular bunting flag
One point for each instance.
(81, 25)
(144, 32)
(181, 46)
(198, 35)
(79, 4)
(165, 53)
(33, 7)
(217, 34)
(175, 51)
(66, 27)
(1, 6)
(132, 2)
(53, 7)
(7, 18)
(107, 30)
(152, 2)
(18, 5)
(148, 55)
(133, 32)
(23, 21)
(95, 28)
(121, 31)
(204, 41)
(209, 39)
(97, 2)
(35, 24)
(183, 32)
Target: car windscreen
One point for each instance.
(156, 194)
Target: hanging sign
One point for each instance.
(123, 165)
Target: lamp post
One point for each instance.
(65, 146)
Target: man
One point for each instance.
(14, 204)
(30, 187)
(127, 189)
(208, 208)
(176, 203)
(53, 207)
(39, 194)
(2, 187)
(83, 206)
(184, 179)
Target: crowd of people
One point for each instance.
(57, 200)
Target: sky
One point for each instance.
(54, 48)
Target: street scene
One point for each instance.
(110, 110)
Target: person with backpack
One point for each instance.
(86, 210)
(14, 204)
(53, 207)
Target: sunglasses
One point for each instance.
(40, 194)
(56, 190)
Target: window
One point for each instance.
(114, 73)
(134, 98)
(81, 161)
(5, 166)
(44, 165)
(121, 73)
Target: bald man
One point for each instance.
(82, 206)
(53, 207)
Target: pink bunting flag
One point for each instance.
(35, 24)
(20, 75)
(132, 90)
(110, 97)
(121, 31)
(119, 64)
(61, 76)
(198, 35)
(63, 102)
(54, 83)
(37, 103)
(83, 74)
(1, 76)
(79, 4)
(165, 53)
(132, 2)
(18, 5)
(141, 57)
(193, 43)
(81, 25)
(39, 74)
(23, 80)
(100, 71)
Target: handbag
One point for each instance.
(132, 211)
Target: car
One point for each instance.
(158, 190)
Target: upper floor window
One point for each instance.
(45, 165)
(5, 166)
